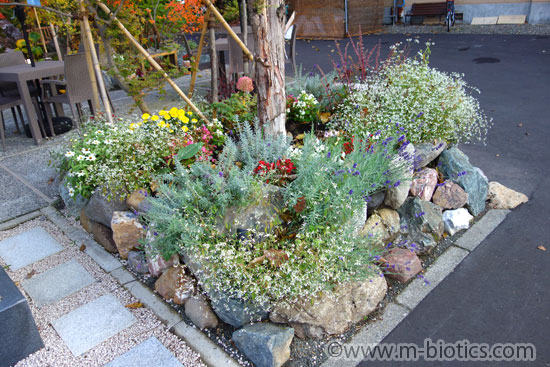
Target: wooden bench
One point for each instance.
(427, 10)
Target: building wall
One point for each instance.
(537, 11)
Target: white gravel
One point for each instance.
(56, 353)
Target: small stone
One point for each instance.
(402, 264)
(175, 285)
(137, 202)
(450, 196)
(236, 311)
(104, 236)
(422, 216)
(265, 344)
(376, 200)
(456, 220)
(396, 195)
(501, 197)
(127, 232)
(200, 313)
(137, 262)
(455, 165)
(427, 152)
(101, 210)
(383, 224)
(423, 183)
(157, 264)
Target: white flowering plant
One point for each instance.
(315, 245)
(302, 108)
(429, 104)
(126, 155)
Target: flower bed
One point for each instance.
(242, 227)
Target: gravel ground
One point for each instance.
(526, 29)
(56, 353)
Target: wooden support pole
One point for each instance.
(97, 69)
(213, 61)
(41, 33)
(244, 32)
(199, 53)
(88, 51)
(228, 29)
(56, 43)
(152, 61)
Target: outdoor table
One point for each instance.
(23, 73)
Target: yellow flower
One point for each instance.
(162, 112)
(185, 129)
(171, 130)
(184, 119)
(146, 116)
(166, 117)
(133, 126)
(174, 112)
(194, 121)
(189, 113)
(154, 118)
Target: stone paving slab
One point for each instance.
(147, 354)
(479, 231)
(28, 247)
(93, 323)
(484, 20)
(57, 283)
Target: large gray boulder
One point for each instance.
(73, 204)
(265, 344)
(425, 153)
(331, 312)
(101, 210)
(455, 165)
(422, 221)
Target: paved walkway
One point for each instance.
(84, 316)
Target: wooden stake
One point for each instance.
(97, 69)
(55, 42)
(41, 32)
(199, 53)
(152, 61)
(228, 29)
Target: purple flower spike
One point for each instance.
(350, 192)
(220, 174)
(397, 183)
(328, 155)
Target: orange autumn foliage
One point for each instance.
(189, 15)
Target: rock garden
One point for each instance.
(274, 243)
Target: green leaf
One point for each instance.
(189, 151)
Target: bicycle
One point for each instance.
(450, 18)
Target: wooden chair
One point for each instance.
(77, 85)
(8, 89)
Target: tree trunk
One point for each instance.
(267, 18)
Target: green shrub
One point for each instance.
(427, 103)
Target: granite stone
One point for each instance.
(28, 247)
(149, 353)
(57, 283)
(93, 323)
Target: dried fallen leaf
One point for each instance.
(134, 305)
(542, 248)
(276, 257)
(30, 274)
(300, 137)
(51, 180)
(82, 247)
(300, 204)
(325, 117)
(520, 124)
(256, 261)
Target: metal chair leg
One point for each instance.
(15, 119)
(2, 133)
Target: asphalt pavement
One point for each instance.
(501, 292)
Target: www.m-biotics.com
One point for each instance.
(439, 350)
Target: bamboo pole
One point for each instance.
(55, 42)
(97, 69)
(41, 33)
(213, 61)
(89, 62)
(152, 61)
(228, 29)
(199, 53)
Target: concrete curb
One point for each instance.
(211, 354)
(395, 312)
(9, 224)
